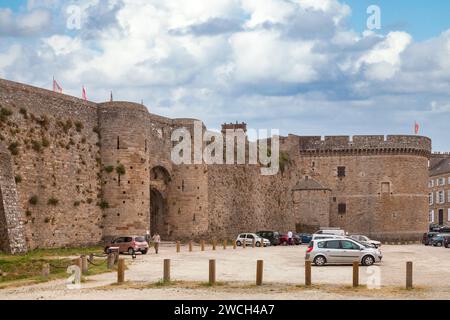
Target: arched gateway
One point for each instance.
(159, 180)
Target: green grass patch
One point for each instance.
(26, 269)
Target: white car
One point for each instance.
(365, 239)
(248, 238)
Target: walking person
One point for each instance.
(290, 236)
(156, 241)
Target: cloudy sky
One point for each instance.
(309, 67)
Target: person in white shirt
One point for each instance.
(156, 241)
(290, 235)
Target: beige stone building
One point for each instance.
(75, 173)
(439, 189)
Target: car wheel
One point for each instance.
(320, 261)
(144, 251)
(368, 261)
(238, 243)
(130, 251)
(439, 244)
(107, 250)
(258, 244)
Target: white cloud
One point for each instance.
(293, 63)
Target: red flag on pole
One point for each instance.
(84, 94)
(56, 86)
(416, 128)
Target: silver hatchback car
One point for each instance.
(341, 251)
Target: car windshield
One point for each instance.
(140, 239)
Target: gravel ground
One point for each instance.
(236, 272)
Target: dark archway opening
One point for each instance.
(157, 212)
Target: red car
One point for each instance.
(284, 240)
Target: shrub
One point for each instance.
(120, 169)
(18, 179)
(4, 114)
(89, 201)
(103, 204)
(109, 169)
(43, 121)
(36, 145)
(14, 148)
(45, 142)
(79, 126)
(34, 200)
(76, 203)
(24, 112)
(52, 201)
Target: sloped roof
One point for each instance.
(309, 184)
(439, 166)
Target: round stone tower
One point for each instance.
(378, 185)
(123, 130)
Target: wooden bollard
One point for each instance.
(244, 244)
(190, 246)
(45, 270)
(212, 272)
(259, 272)
(253, 243)
(84, 264)
(214, 244)
(308, 281)
(409, 275)
(111, 258)
(178, 246)
(78, 262)
(355, 274)
(202, 244)
(225, 244)
(91, 257)
(166, 276)
(234, 245)
(121, 271)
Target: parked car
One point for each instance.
(445, 229)
(248, 238)
(325, 236)
(426, 239)
(272, 236)
(446, 241)
(341, 251)
(364, 239)
(284, 239)
(335, 231)
(130, 244)
(305, 237)
(438, 240)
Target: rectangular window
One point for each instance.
(441, 197)
(431, 198)
(385, 187)
(431, 184)
(448, 196)
(442, 181)
(341, 172)
(431, 219)
(342, 208)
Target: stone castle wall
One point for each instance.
(84, 172)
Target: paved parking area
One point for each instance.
(283, 276)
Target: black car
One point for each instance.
(446, 241)
(426, 240)
(272, 236)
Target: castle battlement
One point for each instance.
(361, 144)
